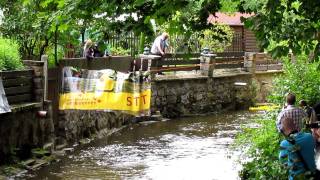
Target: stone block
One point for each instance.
(158, 101)
(164, 101)
(172, 91)
(171, 99)
(161, 92)
(199, 97)
(185, 99)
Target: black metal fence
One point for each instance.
(130, 42)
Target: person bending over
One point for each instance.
(297, 151)
(159, 46)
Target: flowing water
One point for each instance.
(186, 148)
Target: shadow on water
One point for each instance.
(186, 148)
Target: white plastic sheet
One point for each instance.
(4, 105)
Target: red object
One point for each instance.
(232, 19)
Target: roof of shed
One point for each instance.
(229, 19)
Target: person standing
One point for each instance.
(88, 49)
(297, 151)
(96, 51)
(159, 46)
(297, 115)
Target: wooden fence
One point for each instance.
(18, 86)
(189, 62)
(264, 62)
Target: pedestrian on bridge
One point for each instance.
(159, 47)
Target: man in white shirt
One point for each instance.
(159, 44)
(158, 47)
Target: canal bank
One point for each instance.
(173, 96)
(184, 148)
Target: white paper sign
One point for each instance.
(4, 105)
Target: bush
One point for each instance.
(51, 55)
(119, 51)
(301, 78)
(261, 146)
(9, 55)
(217, 38)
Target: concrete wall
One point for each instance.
(263, 82)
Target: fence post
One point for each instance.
(207, 64)
(44, 58)
(250, 62)
(152, 62)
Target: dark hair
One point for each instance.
(291, 99)
(303, 103)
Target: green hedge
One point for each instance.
(302, 78)
(261, 145)
(9, 55)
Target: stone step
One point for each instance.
(29, 162)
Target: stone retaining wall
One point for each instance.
(22, 130)
(172, 97)
(75, 125)
(198, 95)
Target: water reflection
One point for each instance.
(188, 148)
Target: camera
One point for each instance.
(313, 125)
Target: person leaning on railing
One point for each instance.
(159, 46)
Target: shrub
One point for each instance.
(51, 55)
(9, 55)
(301, 78)
(119, 51)
(217, 38)
(261, 148)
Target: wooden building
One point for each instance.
(244, 39)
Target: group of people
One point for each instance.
(159, 46)
(297, 150)
(91, 50)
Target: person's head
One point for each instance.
(291, 99)
(165, 35)
(88, 43)
(288, 126)
(302, 103)
(95, 46)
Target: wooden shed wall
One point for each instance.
(237, 41)
(250, 42)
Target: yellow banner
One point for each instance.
(105, 90)
(107, 100)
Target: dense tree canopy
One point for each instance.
(284, 25)
(280, 25)
(34, 22)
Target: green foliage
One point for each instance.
(51, 55)
(301, 78)
(287, 25)
(261, 150)
(217, 38)
(9, 55)
(119, 51)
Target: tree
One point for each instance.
(34, 23)
(285, 25)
